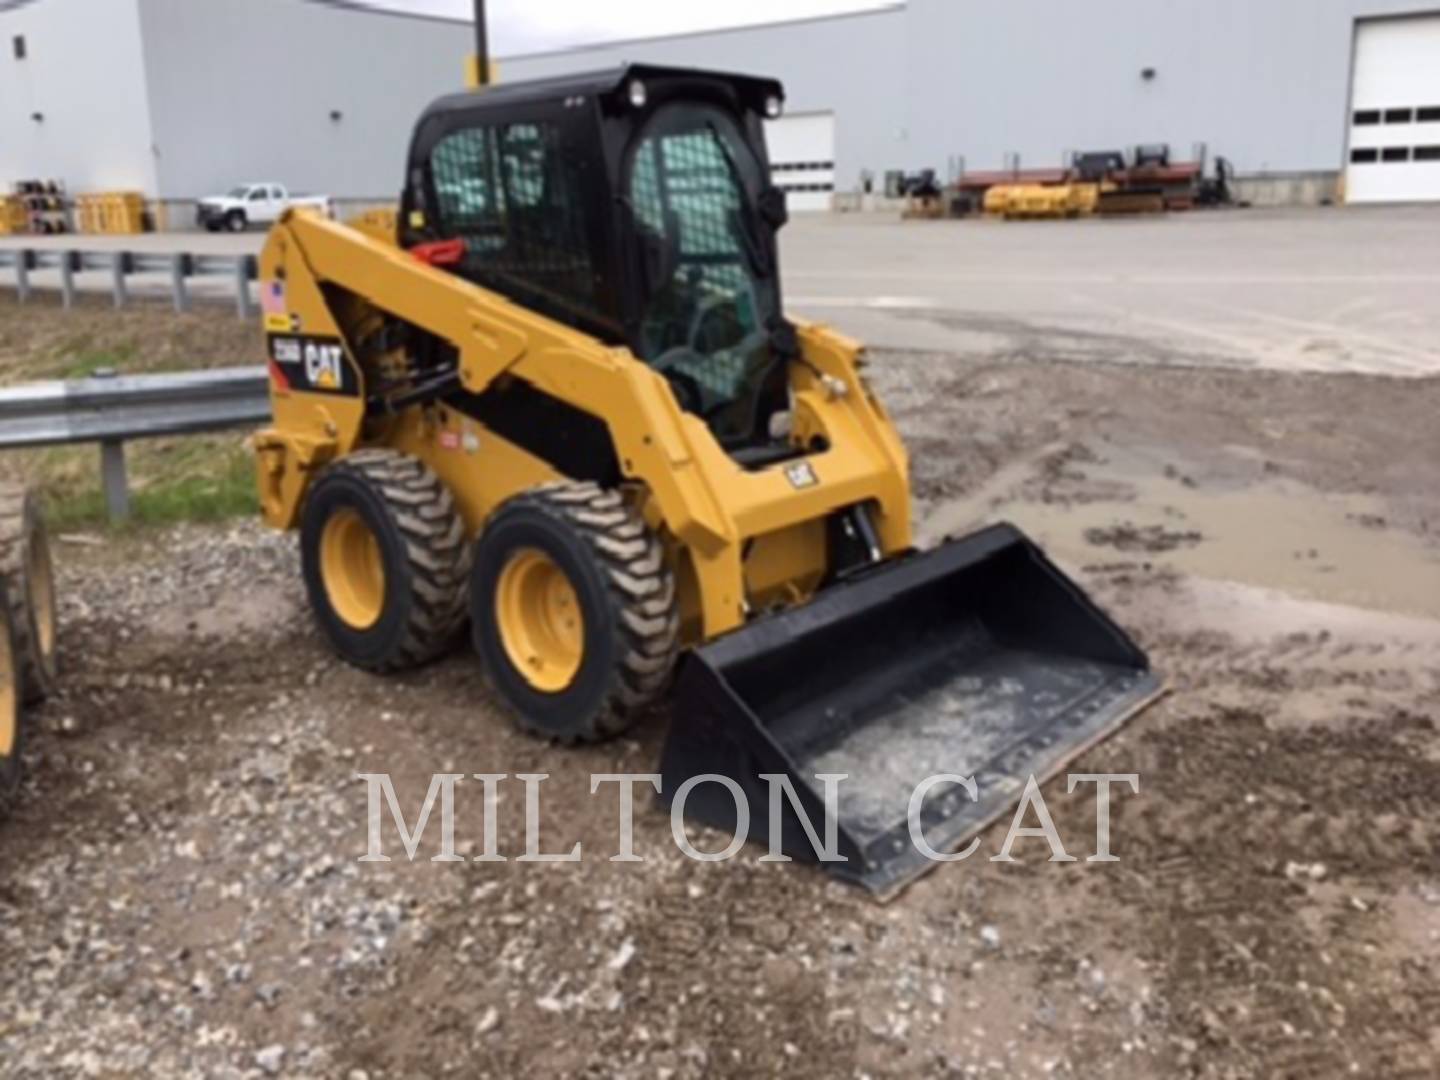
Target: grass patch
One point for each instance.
(193, 478)
(41, 340)
(82, 364)
(171, 481)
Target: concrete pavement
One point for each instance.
(1324, 290)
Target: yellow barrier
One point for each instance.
(13, 219)
(382, 225)
(120, 213)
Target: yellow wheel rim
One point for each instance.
(9, 697)
(352, 569)
(541, 625)
(41, 577)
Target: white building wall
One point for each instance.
(1262, 82)
(244, 89)
(230, 90)
(852, 65)
(84, 74)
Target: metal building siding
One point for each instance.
(851, 65)
(189, 96)
(1263, 83)
(84, 74)
(243, 90)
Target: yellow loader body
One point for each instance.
(744, 541)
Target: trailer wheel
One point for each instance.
(574, 612)
(29, 580)
(385, 559)
(12, 714)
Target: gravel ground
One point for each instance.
(181, 894)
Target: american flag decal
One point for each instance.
(272, 298)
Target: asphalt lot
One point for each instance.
(1333, 290)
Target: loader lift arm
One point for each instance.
(705, 499)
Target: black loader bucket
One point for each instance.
(979, 659)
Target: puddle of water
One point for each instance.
(1278, 535)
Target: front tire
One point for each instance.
(385, 558)
(574, 612)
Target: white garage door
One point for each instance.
(1395, 115)
(802, 158)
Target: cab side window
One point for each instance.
(514, 195)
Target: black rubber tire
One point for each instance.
(626, 591)
(236, 221)
(423, 549)
(25, 549)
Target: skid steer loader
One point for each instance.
(561, 400)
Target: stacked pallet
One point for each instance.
(43, 205)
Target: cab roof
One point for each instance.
(611, 83)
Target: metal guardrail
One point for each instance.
(113, 409)
(120, 265)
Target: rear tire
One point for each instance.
(28, 577)
(599, 643)
(385, 559)
(12, 713)
(236, 221)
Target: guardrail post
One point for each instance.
(244, 270)
(120, 268)
(22, 274)
(179, 269)
(112, 473)
(68, 259)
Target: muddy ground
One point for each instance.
(180, 890)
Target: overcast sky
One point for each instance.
(519, 26)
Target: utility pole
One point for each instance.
(482, 44)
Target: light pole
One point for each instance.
(482, 44)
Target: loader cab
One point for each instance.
(635, 206)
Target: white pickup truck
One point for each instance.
(254, 204)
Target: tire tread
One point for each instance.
(642, 592)
(424, 512)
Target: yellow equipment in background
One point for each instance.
(562, 401)
(1031, 202)
(13, 219)
(113, 213)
